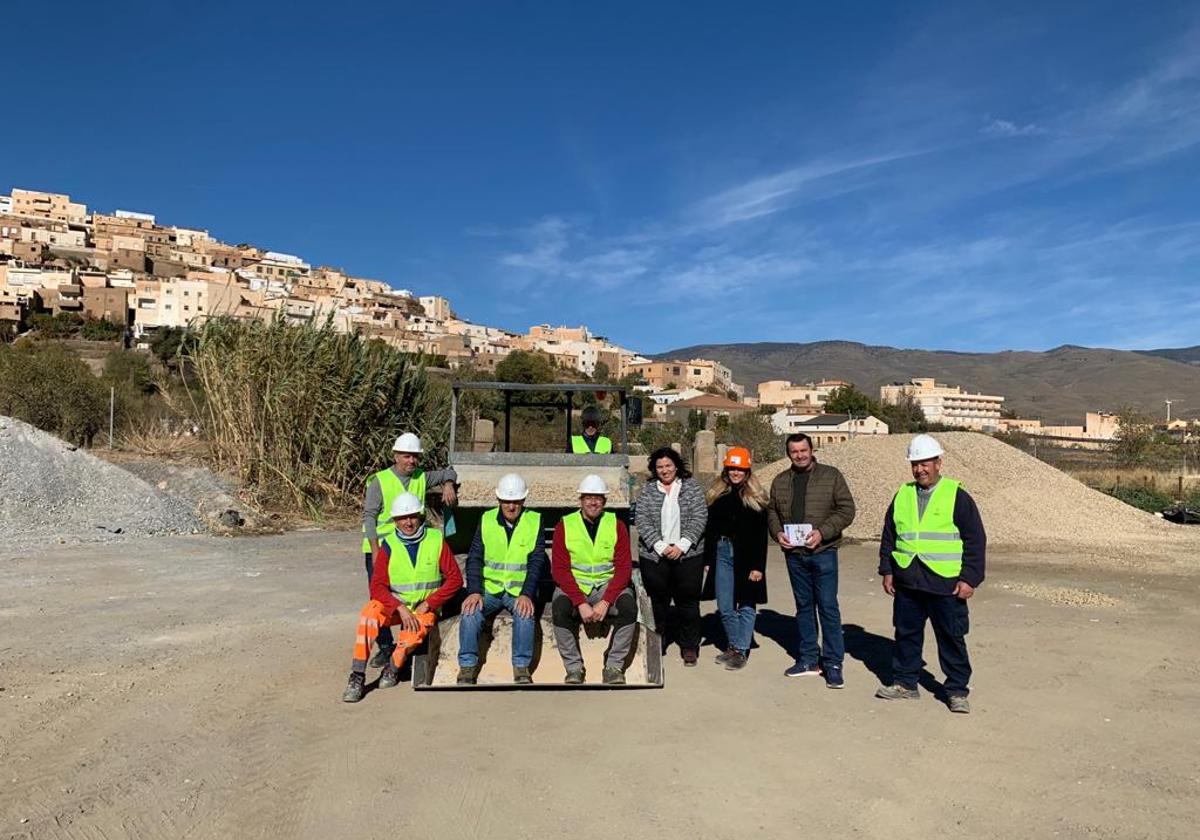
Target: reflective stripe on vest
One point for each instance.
(579, 446)
(412, 582)
(392, 486)
(591, 563)
(505, 562)
(931, 537)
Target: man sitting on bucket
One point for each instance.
(415, 574)
(504, 566)
(592, 567)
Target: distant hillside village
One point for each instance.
(140, 276)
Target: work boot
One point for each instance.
(383, 655)
(897, 692)
(613, 676)
(736, 661)
(690, 655)
(521, 675)
(959, 704)
(355, 688)
(721, 658)
(468, 675)
(389, 676)
(575, 677)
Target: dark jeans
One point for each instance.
(951, 621)
(814, 579)
(385, 633)
(679, 581)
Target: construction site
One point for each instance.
(161, 677)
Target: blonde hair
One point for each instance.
(751, 490)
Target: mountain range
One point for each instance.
(1057, 385)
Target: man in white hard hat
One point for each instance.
(415, 574)
(592, 566)
(404, 476)
(931, 557)
(504, 567)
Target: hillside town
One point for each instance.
(140, 275)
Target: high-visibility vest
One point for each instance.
(579, 446)
(412, 582)
(931, 537)
(591, 563)
(505, 561)
(392, 486)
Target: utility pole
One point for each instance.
(1168, 402)
(112, 395)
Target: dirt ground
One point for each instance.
(191, 687)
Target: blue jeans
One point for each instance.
(385, 633)
(814, 579)
(951, 621)
(470, 626)
(737, 619)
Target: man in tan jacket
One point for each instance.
(812, 502)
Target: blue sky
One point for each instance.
(969, 176)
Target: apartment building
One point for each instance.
(948, 404)
(828, 428)
(48, 206)
(437, 308)
(782, 392)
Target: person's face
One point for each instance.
(511, 510)
(665, 469)
(801, 454)
(408, 525)
(736, 476)
(592, 505)
(406, 462)
(927, 472)
(591, 429)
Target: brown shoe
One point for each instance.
(690, 655)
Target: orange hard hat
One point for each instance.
(738, 457)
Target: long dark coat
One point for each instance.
(747, 528)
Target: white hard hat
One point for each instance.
(923, 447)
(407, 442)
(593, 485)
(407, 504)
(511, 488)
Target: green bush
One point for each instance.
(304, 414)
(49, 387)
(1143, 498)
(62, 325)
(99, 329)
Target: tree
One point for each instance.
(755, 432)
(526, 367)
(850, 400)
(903, 416)
(601, 373)
(1135, 437)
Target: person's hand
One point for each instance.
(524, 606)
(407, 620)
(474, 603)
(813, 539)
(756, 576)
(964, 590)
(599, 611)
(784, 542)
(422, 608)
(889, 584)
(374, 547)
(585, 612)
(672, 552)
(449, 497)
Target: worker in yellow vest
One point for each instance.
(383, 488)
(504, 567)
(931, 557)
(591, 442)
(415, 574)
(592, 566)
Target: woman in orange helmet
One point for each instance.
(735, 545)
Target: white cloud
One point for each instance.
(1007, 128)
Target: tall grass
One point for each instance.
(303, 414)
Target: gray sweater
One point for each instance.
(693, 515)
(373, 504)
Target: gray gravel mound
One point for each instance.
(1024, 502)
(51, 491)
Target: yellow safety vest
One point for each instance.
(579, 446)
(591, 563)
(931, 537)
(506, 562)
(412, 582)
(392, 486)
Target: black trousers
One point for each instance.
(674, 590)
(948, 614)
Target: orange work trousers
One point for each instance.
(375, 616)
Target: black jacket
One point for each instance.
(747, 530)
(918, 576)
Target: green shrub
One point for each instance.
(62, 325)
(47, 386)
(99, 329)
(1143, 498)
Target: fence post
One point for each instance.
(112, 393)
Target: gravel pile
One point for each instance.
(1025, 503)
(52, 492)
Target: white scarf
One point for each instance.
(670, 512)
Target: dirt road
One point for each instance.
(191, 688)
